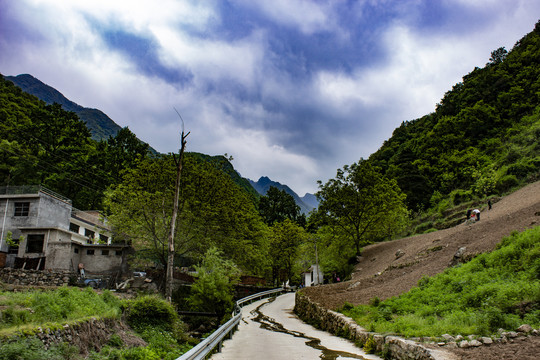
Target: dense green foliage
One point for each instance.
(223, 163)
(46, 145)
(34, 308)
(277, 205)
(100, 125)
(495, 290)
(213, 290)
(356, 208)
(213, 211)
(483, 138)
(33, 349)
(286, 240)
(154, 320)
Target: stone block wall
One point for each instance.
(34, 277)
(341, 325)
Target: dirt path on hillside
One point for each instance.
(380, 274)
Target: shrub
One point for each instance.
(506, 183)
(151, 311)
(460, 196)
(370, 346)
(33, 349)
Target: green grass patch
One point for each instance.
(153, 319)
(27, 309)
(495, 290)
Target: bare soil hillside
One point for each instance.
(381, 273)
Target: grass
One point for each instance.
(22, 313)
(495, 290)
(27, 309)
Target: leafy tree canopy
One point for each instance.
(213, 289)
(213, 211)
(360, 205)
(277, 205)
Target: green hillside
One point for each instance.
(483, 138)
(100, 125)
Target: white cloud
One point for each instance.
(359, 108)
(307, 16)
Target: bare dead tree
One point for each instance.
(170, 255)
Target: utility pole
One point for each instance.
(317, 261)
(170, 254)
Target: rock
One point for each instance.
(475, 343)
(458, 256)
(459, 338)
(399, 253)
(448, 337)
(463, 344)
(512, 334)
(486, 340)
(525, 328)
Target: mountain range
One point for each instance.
(102, 127)
(307, 203)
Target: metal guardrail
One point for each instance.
(215, 339)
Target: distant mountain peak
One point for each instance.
(306, 203)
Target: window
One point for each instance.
(118, 252)
(76, 250)
(89, 233)
(34, 243)
(104, 252)
(74, 227)
(22, 208)
(103, 238)
(89, 252)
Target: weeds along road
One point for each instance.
(270, 330)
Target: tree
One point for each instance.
(361, 205)
(498, 56)
(213, 290)
(277, 205)
(123, 151)
(212, 211)
(170, 254)
(286, 239)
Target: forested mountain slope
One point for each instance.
(101, 126)
(45, 144)
(483, 138)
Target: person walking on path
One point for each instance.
(489, 204)
(477, 213)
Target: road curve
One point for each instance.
(270, 330)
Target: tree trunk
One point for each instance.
(170, 254)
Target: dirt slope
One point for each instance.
(380, 274)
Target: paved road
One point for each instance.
(270, 330)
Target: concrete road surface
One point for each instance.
(270, 330)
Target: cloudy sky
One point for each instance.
(292, 89)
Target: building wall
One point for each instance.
(59, 252)
(12, 223)
(99, 262)
(44, 211)
(53, 212)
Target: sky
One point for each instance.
(291, 89)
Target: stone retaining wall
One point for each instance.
(34, 277)
(89, 335)
(341, 325)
